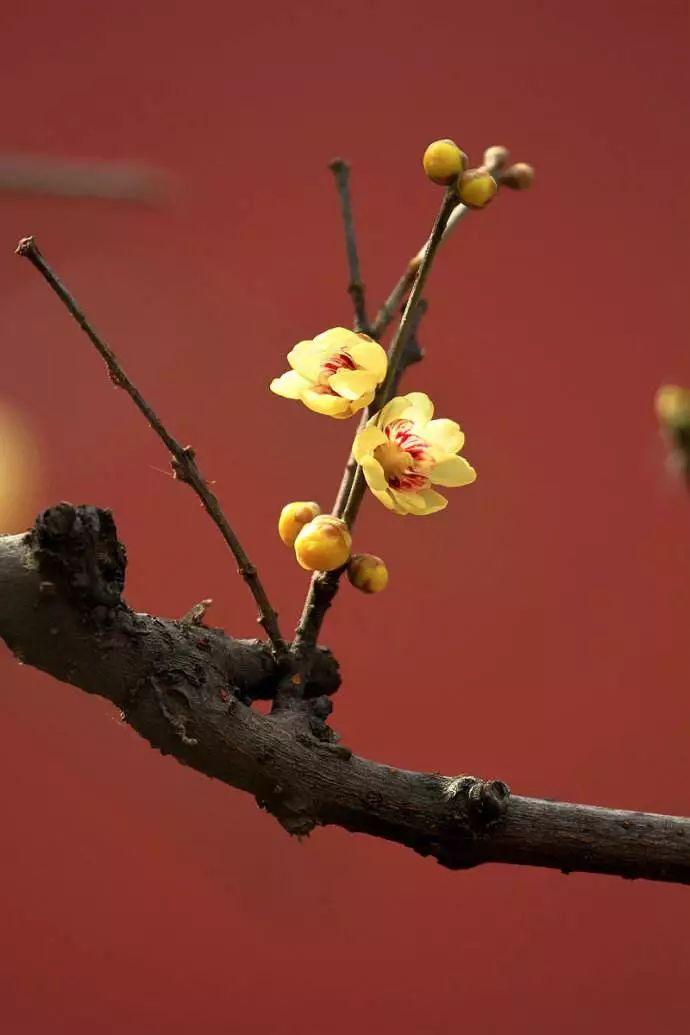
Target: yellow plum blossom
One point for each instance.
(403, 451)
(337, 373)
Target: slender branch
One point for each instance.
(341, 172)
(184, 461)
(395, 300)
(324, 585)
(181, 687)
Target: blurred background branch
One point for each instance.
(82, 178)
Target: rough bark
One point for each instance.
(188, 690)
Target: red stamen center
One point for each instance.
(405, 449)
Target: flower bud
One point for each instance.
(367, 572)
(293, 518)
(476, 188)
(496, 157)
(323, 544)
(518, 177)
(672, 406)
(444, 161)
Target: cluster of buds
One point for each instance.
(323, 542)
(445, 163)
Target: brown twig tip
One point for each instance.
(26, 246)
(339, 165)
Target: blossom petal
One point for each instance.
(373, 472)
(361, 404)
(408, 502)
(391, 411)
(307, 358)
(324, 402)
(453, 471)
(368, 355)
(290, 385)
(366, 441)
(335, 339)
(433, 502)
(422, 406)
(352, 384)
(385, 498)
(445, 434)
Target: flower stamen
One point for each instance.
(341, 361)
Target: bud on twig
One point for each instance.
(518, 177)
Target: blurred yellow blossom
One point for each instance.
(403, 451)
(672, 405)
(20, 475)
(337, 373)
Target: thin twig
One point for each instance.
(324, 585)
(494, 165)
(184, 461)
(341, 172)
(392, 304)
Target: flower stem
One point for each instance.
(324, 585)
(399, 342)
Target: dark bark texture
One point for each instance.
(188, 690)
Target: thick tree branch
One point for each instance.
(182, 687)
(184, 462)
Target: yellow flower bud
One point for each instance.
(496, 157)
(324, 544)
(476, 188)
(443, 161)
(518, 177)
(367, 572)
(293, 518)
(672, 405)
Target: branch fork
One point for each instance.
(188, 689)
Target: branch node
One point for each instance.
(486, 800)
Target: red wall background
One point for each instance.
(537, 630)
